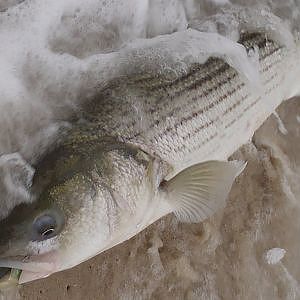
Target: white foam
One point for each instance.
(281, 126)
(15, 180)
(166, 16)
(274, 255)
(233, 20)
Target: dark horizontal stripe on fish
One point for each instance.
(159, 82)
(199, 83)
(174, 128)
(206, 141)
(193, 99)
(244, 97)
(179, 107)
(188, 136)
(193, 115)
(239, 102)
(212, 67)
(256, 39)
(241, 114)
(203, 94)
(228, 110)
(252, 104)
(223, 67)
(272, 47)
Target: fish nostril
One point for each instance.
(3, 272)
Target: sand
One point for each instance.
(248, 251)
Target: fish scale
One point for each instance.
(190, 118)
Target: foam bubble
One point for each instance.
(274, 255)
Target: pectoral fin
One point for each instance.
(199, 191)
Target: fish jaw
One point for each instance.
(37, 267)
(27, 276)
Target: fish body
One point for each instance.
(143, 148)
(206, 114)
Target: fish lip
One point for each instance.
(30, 271)
(37, 266)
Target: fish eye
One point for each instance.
(45, 226)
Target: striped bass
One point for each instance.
(143, 148)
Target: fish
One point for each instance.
(143, 148)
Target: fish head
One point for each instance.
(87, 204)
(27, 233)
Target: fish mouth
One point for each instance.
(38, 266)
